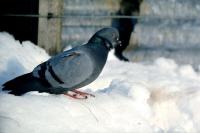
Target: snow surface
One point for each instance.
(130, 97)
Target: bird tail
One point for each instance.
(25, 83)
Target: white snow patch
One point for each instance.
(17, 59)
(130, 97)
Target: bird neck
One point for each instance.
(98, 49)
(101, 41)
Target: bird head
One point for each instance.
(110, 37)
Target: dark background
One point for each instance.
(23, 28)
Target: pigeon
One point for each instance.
(70, 70)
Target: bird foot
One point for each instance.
(78, 94)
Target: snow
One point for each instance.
(160, 96)
(17, 59)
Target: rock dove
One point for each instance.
(69, 70)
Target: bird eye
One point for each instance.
(113, 35)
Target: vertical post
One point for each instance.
(49, 28)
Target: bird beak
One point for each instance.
(119, 43)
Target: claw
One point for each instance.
(83, 93)
(75, 96)
(78, 94)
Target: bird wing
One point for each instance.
(73, 68)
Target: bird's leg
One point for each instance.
(78, 94)
(74, 96)
(82, 93)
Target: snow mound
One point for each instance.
(130, 97)
(16, 58)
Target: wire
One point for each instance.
(51, 15)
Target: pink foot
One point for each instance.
(78, 94)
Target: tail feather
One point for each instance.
(25, 83)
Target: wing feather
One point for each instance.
(73, 68)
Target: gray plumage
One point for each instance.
(68, 70)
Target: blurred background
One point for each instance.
(164, 28)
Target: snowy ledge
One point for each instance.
(130, 97)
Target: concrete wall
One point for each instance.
(49, 29)
(77, 29)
